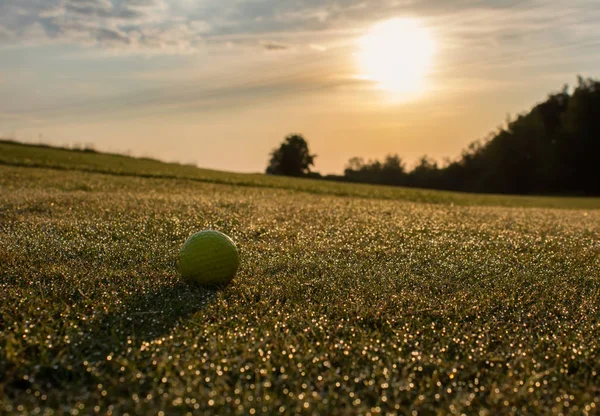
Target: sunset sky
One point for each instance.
(221, 82)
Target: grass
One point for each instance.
(342, 305)
(17, 154)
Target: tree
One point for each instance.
(391, 171)
(292, 158)
(425, 173)
(354, 164)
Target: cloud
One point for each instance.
(138, 25)
(89, 8)
(274, 46)
(183, 98)
(5, 34)
(110, 36)
(124, 24)
(183, 26)
(317, 47)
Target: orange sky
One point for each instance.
(221, 87)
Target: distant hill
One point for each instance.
(43, 156)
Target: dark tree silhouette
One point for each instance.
(552, 149)
(390, 172)
(292, 158)
(424, 174)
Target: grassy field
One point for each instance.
(16, 154)
(349, 300)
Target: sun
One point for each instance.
(397, 55)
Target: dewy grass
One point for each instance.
(342, 305)
(16, 154)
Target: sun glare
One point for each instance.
(397, 55)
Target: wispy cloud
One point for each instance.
(274, 46)
(180, 25)
(125, 24)
(5, 34)
(108, 60)
(187, 93)
(473, 36)
(475, 39)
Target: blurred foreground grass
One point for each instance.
(342, 305)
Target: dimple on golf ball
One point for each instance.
(209, 258)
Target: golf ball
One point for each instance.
(209, 257)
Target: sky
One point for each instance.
(220, 83)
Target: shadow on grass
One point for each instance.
(145, 317)
(142, 318)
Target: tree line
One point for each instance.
(552, 149)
